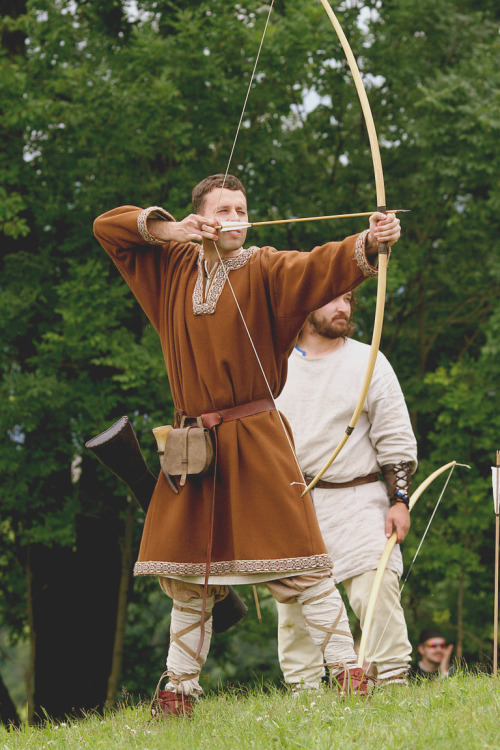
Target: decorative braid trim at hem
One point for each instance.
(360, 255)
(153, 212)
(285, 565)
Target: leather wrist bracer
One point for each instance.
(397, 479)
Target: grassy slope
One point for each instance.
(460, 712)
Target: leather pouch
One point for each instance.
(188, 451)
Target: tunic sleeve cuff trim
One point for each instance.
(360, 255)
(153, 212)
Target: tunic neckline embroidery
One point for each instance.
(208, 306)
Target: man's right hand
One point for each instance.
(194, 228)
(397, 519)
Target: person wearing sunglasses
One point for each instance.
(434, 654)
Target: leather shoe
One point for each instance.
(172, 704)
(353, 682)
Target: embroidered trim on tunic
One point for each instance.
(153, 212)
(207, 306)
(285, 565)
(360, 255)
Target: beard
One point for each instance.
(331, 328)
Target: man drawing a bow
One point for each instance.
(245, 521)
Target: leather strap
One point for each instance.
(209, 550)
(215, 418)
(185, 438)
(322, 485)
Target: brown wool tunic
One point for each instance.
(262, 525)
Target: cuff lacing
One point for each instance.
(397, 479)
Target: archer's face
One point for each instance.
(227, 205)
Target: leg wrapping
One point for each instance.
(183, 669)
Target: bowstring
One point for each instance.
(226, 274)
(271, 6)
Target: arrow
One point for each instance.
(229, 226)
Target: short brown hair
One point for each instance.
(214, 181)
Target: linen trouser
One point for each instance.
(388, 647)
(314, 594)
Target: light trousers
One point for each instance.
(388, 647)
(314, 595)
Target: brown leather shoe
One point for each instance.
(169, 704)
(353, 682)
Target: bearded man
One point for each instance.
(356, 512)
(245, 521)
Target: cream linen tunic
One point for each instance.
(318, 401)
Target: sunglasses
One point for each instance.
(435, 644)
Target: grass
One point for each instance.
(460, 712)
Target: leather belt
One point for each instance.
(322, 485)
(215, 418)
